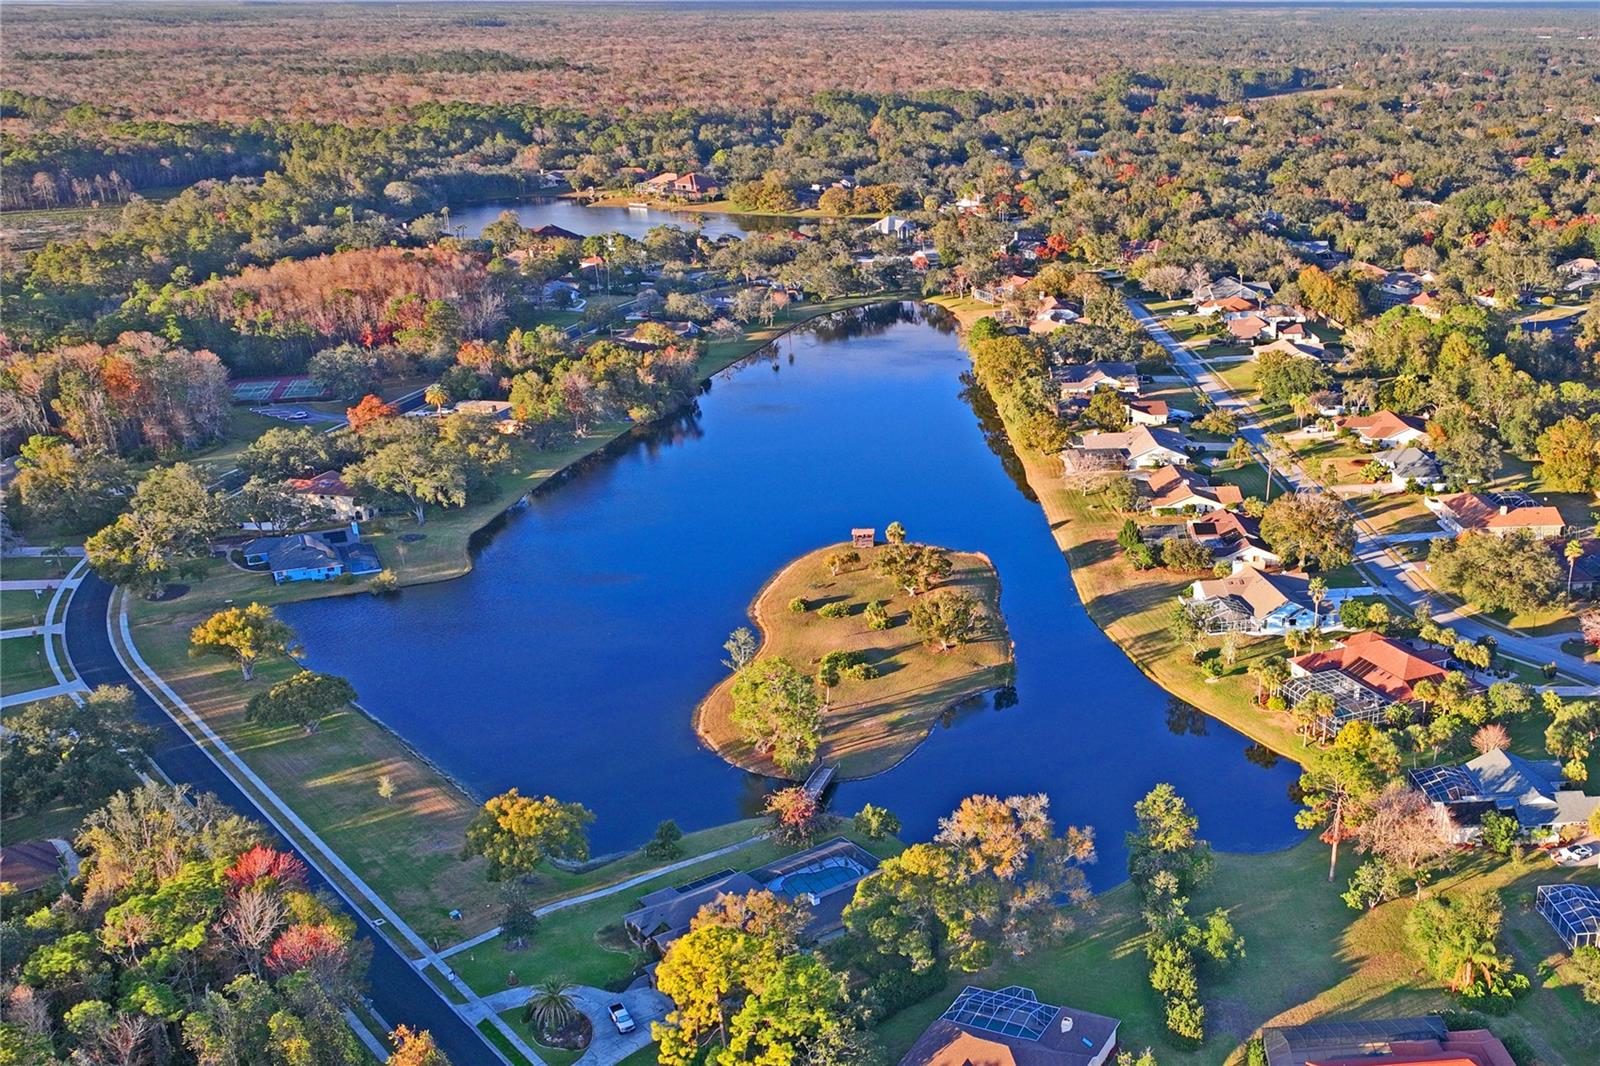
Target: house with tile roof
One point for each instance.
(1387, 666)
(1382, 1042)
(1148, 412)
(329, 492)
(1385, 428)
(1173, 490)
(1473, 512)
(1233, 538)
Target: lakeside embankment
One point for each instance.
(869, 724)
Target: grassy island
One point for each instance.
(869, 723)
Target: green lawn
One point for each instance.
(498, 1039)
(60, 821)
(1240, 377)
(20, 608)
(1307, 956)
(553, 1056)
(33, 567)
(586, 945)
(23, 666)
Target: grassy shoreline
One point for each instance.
(870, 725)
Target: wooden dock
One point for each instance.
(819, 781)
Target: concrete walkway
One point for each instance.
(608, 890)
(65, 688)
(1390, 574)
(32, 631)
(43, 584)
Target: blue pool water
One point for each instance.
(568, 662)
(817, 879)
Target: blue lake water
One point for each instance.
(635, 222)
(568, 662)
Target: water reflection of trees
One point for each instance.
(1185, 719)
(994, 434)
(1262, 756)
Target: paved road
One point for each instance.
(1390, 573)
(398, 992)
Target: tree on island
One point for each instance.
(516, 833)
(243, 634)
(741, 649)
(915, 568)
(895, 534)
(775, 708)
(949, 619)
(304, 699)
(837, 561)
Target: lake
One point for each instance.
(635, 222)
(569, 661)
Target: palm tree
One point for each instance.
(551, 1006)
(1572, 552)
(434, 394)
(1318, 590)
(1471, 956)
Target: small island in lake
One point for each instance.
(863, 647)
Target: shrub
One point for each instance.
(875, 823)
(877, 615)
(834, 610)
(798, 605)
(385, 583)
(665, 844)
(1142, 557)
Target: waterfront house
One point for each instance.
(691, 185)
(1141, 446)
(1472, 512)
(1078, 381)
(296, 557)
(821, 879)
(1382, 1042)
(1534, 792)
(1234, 538)
(329, 492)
(1251, 600)
(1388, 667)
(547, 232)
(1010, 1027)
(1173, 490)
(1386, 429)
(1051, 314)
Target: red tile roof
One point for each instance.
(1378, 662)
(327, 483)
(1381, 425)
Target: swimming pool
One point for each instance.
(818, 878)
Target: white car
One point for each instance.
(296, 416)
(1578, 853)
(620, 1018)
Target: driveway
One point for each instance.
(645, 1005)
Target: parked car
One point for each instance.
(620, 1018)
(1578, 853)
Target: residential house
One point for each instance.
(1399, 287)
(329, 492)
(1078, 381)
(692, 185)
(1251, 600)
(895, 226)
(1428, 305)
(1473, 512)
(1389, 667)
(1227, 288)
(1584, 571)
(1051, 315)
(1579, 274)
(1173, 491)
(1299, 347)
(1386, 429)
(296, 557)
(1141, 446)
(30, 865)
(1234, 538)
(1412, 464)
(821, 879)
(1227, 305)
(549, 232)
(924, 259)
(1249, 326)
(1382, 1042)
(1534, 792)
(498, 412)
(1148, 412)
(1010, 1027)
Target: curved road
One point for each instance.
(1392, 575)
(398, 992)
